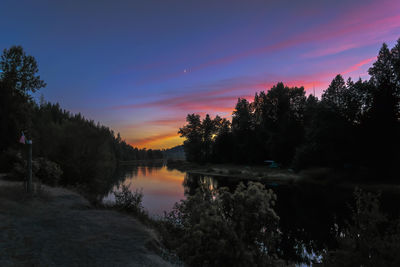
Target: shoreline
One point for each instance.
(264, 174)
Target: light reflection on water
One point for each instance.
(307, 211)
(161, 188)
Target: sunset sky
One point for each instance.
(140, 67)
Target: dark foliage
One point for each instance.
(223, 228)
(355, 125)
(369, 239)
(74, 150)
(128, 201)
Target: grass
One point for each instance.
(17, 193)
(54, 227)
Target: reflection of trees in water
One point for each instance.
(99, 187)
(133, 170)
(143, 170)
(307, 212)
(148, 168)
(209, 182)
(193, 181)
(107, 178)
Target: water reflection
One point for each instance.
(161, 188)
(307, 211)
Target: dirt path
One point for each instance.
(61, 229)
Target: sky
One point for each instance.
(139, 67)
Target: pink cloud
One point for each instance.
(222, 96)
(329, 50)
(216, 101)
(364, 25)
(358, 65)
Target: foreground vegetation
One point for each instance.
(225, 227)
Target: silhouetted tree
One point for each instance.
(223, 145)
(86, 152)
(192, 131)
(284, 118)
(242, 131)
(18, 78)
(383, 116)
(355, 125)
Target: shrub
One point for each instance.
(47, 171)
(43, 169)
(128, 201)
(220, 228)
(8, 158)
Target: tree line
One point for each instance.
(85, 151)
(354, 125)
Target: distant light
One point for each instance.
(184, 71)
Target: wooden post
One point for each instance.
(29, 178)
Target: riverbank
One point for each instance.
(278, 176)
(237, 172)
(58, 227)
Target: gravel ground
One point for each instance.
(59, 228)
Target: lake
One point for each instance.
(308, 212)
(161, 187)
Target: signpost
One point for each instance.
(25, 141)
(29, 178)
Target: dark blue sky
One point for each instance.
(141, 66)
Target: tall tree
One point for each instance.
(384, 113)
(223, 144)
(284, 111)
(334, 95)
(192, 131)
(242, 130)
(18, 78)
(208, 131)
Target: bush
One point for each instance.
(220, 228)
(128, 201)
(47, 171)
(8, 158)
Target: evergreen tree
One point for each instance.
(192, 131)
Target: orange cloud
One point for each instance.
(157, 122)
(157, 141)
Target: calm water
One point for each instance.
(307, 212)
(161, 187)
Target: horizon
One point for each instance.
(140, 68)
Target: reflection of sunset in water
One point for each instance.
(161, 187)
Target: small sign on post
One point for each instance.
(29, 184)
(25, 141)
